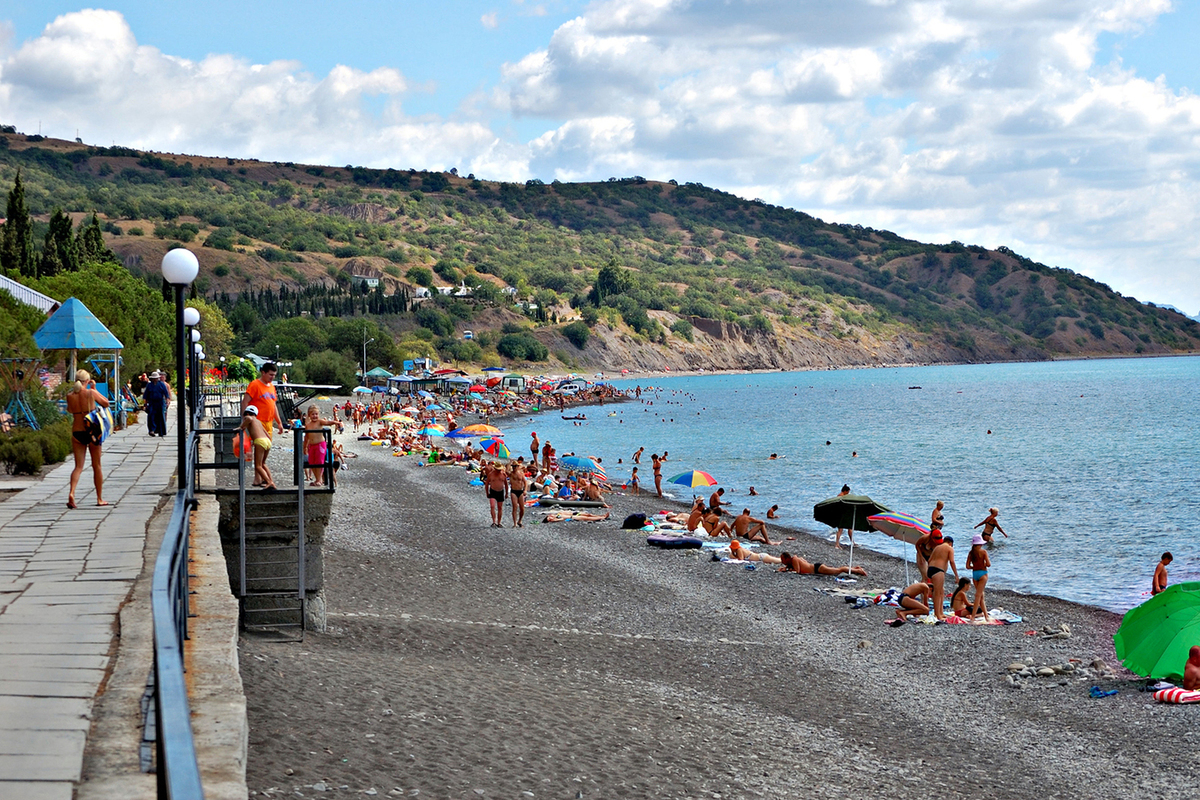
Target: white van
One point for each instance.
(468, 335)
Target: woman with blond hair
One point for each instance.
(81, 401)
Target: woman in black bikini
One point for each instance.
(80, 402)
(516, 493)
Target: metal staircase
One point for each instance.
(271, 561)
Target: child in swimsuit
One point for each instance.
(262, 445)
(959, 603)
(978, 562)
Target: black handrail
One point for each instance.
(178, 773)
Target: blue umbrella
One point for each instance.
(423, 393)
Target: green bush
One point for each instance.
(683, 329)
(577, 333)
(522, 347)
(331, 369)
(421, 276)
(25, 451)
(21, 457)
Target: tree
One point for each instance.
(215, 331)
(331, 369)
(16, 248)
(421, 276)
(59, 253)
(50, 263)
(296, 337)
(577, 333)
(612, 280)
(89, 243)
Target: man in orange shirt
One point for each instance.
(261, 394)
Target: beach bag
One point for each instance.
(633, 522)
(98, 424)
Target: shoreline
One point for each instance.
(461, 659)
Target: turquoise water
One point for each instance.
(1092, 464)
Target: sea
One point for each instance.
(1093, 463)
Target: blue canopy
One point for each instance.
(73, 327)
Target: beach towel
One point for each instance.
(1176, 695)
(979, 620)
(98, 424)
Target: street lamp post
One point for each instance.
(193, 384)
(179, 268)
(366, 342)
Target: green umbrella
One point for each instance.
(848, 511)
(1155, 637)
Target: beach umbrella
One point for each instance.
(1155, 637)
(694, 478)
(432, 430)
(361, 390)
(900, 526)
(848, 511)
(459, 433)
(583, 464)
(423, 393)
(434, 407)
(495, 447)
(480, 428)
(411, 410)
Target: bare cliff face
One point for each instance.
(719, 345)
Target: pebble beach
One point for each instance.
(570, 660)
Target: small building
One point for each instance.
(365, 281)
(514, 382)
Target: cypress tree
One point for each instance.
(90, 243)
(16, 248)
(51, 262)
(66, 253)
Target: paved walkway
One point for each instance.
(64, 575)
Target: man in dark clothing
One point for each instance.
(157, 396)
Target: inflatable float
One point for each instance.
(548, 502)
(674, 542)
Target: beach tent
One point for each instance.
(73, 327)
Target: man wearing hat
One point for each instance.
(157, 398)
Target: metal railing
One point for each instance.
(178, 773)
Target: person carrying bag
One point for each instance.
(90, 425)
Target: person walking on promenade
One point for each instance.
(657, 464)
(156, 396)
(81, 401)
(261, 394)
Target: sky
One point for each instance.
(1067, 130)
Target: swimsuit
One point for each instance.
(517, 493)
(935, 571)
(316, 453)
(496, 494)
(976, 574)
(263, 442)
(83, 437)
(817, 568)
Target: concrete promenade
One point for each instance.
(64, 577)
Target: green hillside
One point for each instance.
(644, 272)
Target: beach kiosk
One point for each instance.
(73, 328)
(377, 377)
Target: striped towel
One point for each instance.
(1176, 695)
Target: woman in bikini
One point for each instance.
(798, 565)
(914, 601)
(978, 562)
(990, 525)
(742, 554)
(516, 493)
(81, 401)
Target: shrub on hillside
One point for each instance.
(522, 347)
(577, 333)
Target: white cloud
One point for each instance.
(940, 119)
(491, 20)
(87, 71)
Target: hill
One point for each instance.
(648, 274)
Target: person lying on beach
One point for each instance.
(940, 559)
(914, 601)
(798, 565)
(960, 604)
(715, 525)
(578, 516)
(772, 512)
(1191, 670)
(742, 554)
(1160, 574)
(750, 528)
(990, 525)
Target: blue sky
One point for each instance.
(1038, 124)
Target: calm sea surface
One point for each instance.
(1093, 464)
